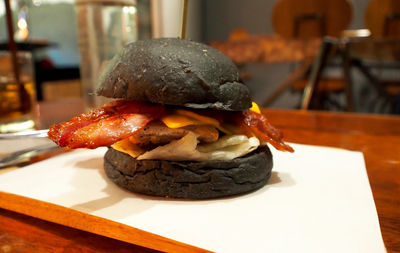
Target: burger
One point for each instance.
(182, 124)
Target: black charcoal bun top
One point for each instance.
(173, 71)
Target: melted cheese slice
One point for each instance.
(181, 118)
(255, 108)
(127, 147)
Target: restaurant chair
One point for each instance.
(305, 20)
(385, 27)
(379, 51)
(315, 91)
(382, 18)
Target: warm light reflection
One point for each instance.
(22, 32)
(130, 9)
(37, 2)
(22, 24)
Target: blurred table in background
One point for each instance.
(28, 45)
(59, 76)
(269, 49)
(58, 89)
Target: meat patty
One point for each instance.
(157, 133)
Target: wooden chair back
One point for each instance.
(305, 19)
(382, 18)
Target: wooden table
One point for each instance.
(378, 137)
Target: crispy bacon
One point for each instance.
(106, 125)
(252, 122)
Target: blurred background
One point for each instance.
(325, 55)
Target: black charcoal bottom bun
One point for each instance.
(190, 180)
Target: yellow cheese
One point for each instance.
(198, 117)
(127, 147)
(182, 118)
(255, 108)
(177, 121)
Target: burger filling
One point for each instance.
(186, 135)
(149, 131)
(191, 147)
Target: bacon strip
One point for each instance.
(106, 125)
(260, 126)
(108, 131)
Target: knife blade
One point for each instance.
(27, 134)
(24, 155)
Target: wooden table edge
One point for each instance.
(93, 224)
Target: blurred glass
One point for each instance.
(18, 106)
(104, 27)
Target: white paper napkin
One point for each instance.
(317, 200)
